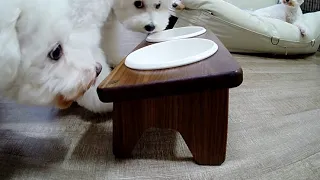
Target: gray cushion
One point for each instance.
(310, 6)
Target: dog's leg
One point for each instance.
(118, 41)
(90, 99)
(302, 28)
(110, 40)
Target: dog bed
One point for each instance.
(245, 33)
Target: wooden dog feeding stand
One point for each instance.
(191, 99)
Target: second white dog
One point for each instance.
(288, 11)
(128, 24)
(129, 21)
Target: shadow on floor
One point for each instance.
(96, 145)
(278, 56)
(85, 114)
(18, 153)
(162, 144)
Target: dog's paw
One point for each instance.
(90, 99)
(303, 31)
(91, 102)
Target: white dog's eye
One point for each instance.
(157, 6)
(139, 4)
(56, 53)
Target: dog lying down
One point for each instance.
(50, 50)
(288, 11)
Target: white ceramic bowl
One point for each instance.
(176, 33)
(170, 54)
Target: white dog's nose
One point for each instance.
(150, 27)
(98, 69)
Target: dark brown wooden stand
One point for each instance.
(191, 99)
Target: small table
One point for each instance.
(191, 99)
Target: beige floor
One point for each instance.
(274, 133)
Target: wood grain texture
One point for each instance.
(201, 118)
(217, 71)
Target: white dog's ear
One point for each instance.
(10, 56)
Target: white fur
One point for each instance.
(125, 26)
(288, 11)
(177, 4)
(30, 29)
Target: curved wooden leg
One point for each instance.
(201, 118)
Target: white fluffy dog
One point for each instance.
(288, 11)
(50, 50)
(128, 24)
